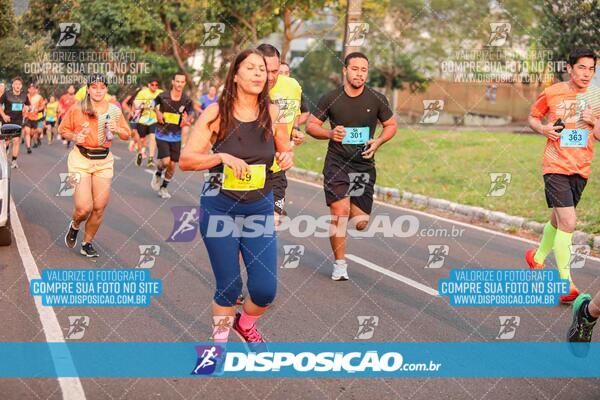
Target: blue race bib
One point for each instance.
(358, 135)
(17, 106)
(574, 138)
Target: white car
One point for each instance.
(7, 132)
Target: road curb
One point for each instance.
(497, 218)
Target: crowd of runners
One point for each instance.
(245, 133)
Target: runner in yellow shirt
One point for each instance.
(146, 125)
(287, 94)
(51, 118)
(284, 69)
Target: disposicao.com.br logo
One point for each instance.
(306, 363)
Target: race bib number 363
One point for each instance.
(254, 179)
(574, 138)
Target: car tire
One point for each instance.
(6, 231)
(6, 235)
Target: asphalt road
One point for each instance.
(309, 306)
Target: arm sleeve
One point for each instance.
(540, 108)
(157, 100)
(385, 111)
(322, 111)
(123, 123)
(303, 105)
(189, 106)
(67, 124)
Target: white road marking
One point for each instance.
(71, 387)
(451, 221)
(392, 275)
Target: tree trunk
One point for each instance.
(226, 57)
(287, 33)
(176, 54)
(353, 14)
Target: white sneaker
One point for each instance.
(155, 182)
(14, 164)
(340, 272)
(164, 193)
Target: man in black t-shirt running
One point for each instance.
(173, 109)
(353, 111)
(13, 103)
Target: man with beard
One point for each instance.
(172, 112)
(349, 170)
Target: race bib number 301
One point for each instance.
(358, 135)
(254, 179)
(574, 138)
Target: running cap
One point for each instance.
(96, 78)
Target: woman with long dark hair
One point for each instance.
(91, 124)
(239, 130)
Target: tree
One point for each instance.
(42, 19)
(119, 23)
(157, 28)
(394, 69)
(567, 24)
(245, 23)
(14, 56)
(394, 52)
(13, 50)
(315, 73)
(353, 15)
(7, 19)
(294, 17)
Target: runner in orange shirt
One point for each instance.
(92, 125)
(64, 103)
(572, 110)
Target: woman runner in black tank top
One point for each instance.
(246, 140)
(239, 130)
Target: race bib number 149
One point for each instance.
(254, 179)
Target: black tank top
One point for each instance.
(246, 140)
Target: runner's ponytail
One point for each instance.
(86, 105)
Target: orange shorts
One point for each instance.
(86, 167)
